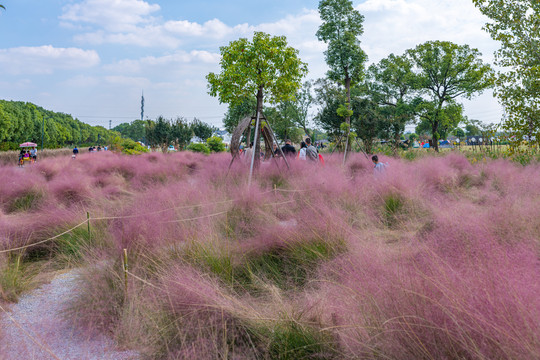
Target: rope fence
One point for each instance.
(46, 240)
(43, 345)
(89, 219)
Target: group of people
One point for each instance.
(91, 149)
(307, 152)
(26, 155)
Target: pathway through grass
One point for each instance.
(41, 315)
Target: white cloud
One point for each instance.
(164, 63)
(45, 59)
(137, 82)
(397, 25)
(112, 15)
(82, 81)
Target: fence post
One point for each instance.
(88, 221)
(125, 271)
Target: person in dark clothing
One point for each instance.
(288, 149)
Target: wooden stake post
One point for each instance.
(125, 271)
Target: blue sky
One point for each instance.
(93, 58)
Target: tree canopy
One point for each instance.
(391, 85)
(341, 26)
(264, 63)
(22, 121)
(444, 72)
(516, 25)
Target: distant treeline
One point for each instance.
(22, 121)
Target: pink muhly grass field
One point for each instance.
(434, 259)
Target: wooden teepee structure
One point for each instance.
(261, 128)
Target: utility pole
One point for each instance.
(110, 122)
(42, 131)
(142, 106)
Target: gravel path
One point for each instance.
(40, 314)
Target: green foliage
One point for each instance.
(247, 66)
(135, 130)
(237, 111)
(413, 137)
(196, 147)
(162, 132)
(16, 277)
(459, 133)
(291, 340)
(449, 117)
(516, 25)
(344, 112)
(447, 71)
(129, 147)
(391, 85)
(341, 26)
(26, 201)
(201, 129)
(393, 205)
(21, 122)
(296, 111)
(215, 144)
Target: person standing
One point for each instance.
(311, 152)
(33, 154)
(248, 153)
(288, 150)
(302, 151)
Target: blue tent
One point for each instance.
(426, 146)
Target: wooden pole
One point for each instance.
(88, 221)
(125, 271)
(275, 139)
(255, 147)
(346, 147)
(337, 143)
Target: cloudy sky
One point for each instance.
(93, 58)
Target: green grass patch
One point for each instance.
(393, 206)
(287, 267)
(17, 276)
(28, 200)
(292, 340)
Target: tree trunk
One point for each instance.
(397, 139)
(256, 140)
(348, 118)
(434, 133)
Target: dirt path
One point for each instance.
(40, 315)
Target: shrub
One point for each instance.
(201, 148)
(215, 144)
(129, 147)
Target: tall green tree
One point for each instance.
(340, 29)
(516, 25)
(181, 132)
(159, 133)
(297, 110)
(444, 72)
(449, 117)
(265, 68)
(201, 129)
(391, 85)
